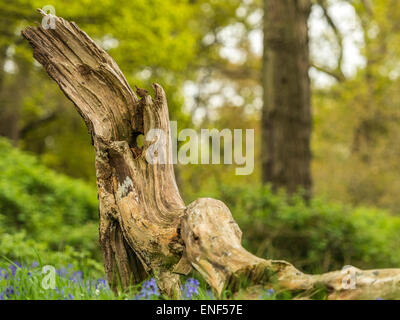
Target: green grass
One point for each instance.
(27, 281)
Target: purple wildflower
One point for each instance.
(190, 289)
(149, 290)
(60, 292)
(101, 284)
(76, 276)
(9, 292)
(62, 272)
(270, 292)
(4, 274)
(13, 268)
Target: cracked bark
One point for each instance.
(145, 228)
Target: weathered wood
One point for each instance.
(145, 228)
(140, 205)
(213, 245)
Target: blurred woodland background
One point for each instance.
(208, 55)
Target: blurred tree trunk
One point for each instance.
(286, 116)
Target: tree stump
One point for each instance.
(145, 228)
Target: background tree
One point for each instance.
(286, 116)
(356, 115)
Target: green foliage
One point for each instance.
(30, 281)
(52, 219)
(45, 213)
(152, 41)
(25, 282)
(356, 121)
(20, 247)
(318, 237)
(53, 210)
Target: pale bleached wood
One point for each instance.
(140, 205)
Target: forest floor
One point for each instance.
(34, 281)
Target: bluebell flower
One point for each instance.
(34, 264)
(13, 268)
(62, 272)
(270, 292)
(60, 291)
(149, 290)
(4, 274)
(190, 289)
(101, 284)
(76, 276)
(90, 284)
(9, 292)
